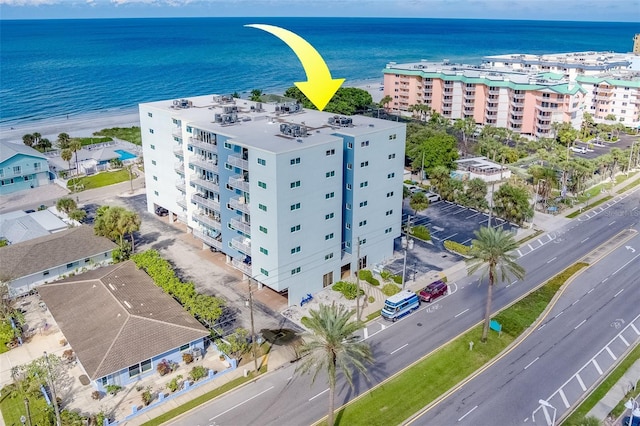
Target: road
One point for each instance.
(580, 331)
(285, 397)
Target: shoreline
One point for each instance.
(84, 125)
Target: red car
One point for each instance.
(433, 291)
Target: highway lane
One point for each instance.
(591, 312)
(410, 338)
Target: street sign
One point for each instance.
(495, 325)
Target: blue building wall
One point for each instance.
(22, 172)
(347, 176)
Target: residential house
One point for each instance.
(22, 168)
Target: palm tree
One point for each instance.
(256, 94)
(128, 223)
(75, 146)
(490, 251)
(67, 155)
(28, 140)
(63, 140)
(465, 127)
(384, 102)
(418, 202)
(332, 346)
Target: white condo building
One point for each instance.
(285, 193)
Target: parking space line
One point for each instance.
(597, 366)
(611, 353)
(452, 235)
(624, 340)
(473, 215)
(466, 241)
(564, 399)
(519, 252)
(581, 383)
(530, 248)
(635, 329)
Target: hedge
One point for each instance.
(390, 289)
(349, 290)
(368, 277)
(457, 247)
(421, 232)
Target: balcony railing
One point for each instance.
(211, 185)
(182, 202)
(238, 162)
(515, 121)
(202, 144)
(180, 184)
(177, 132)
(241, 226)
(204, 201)
(242, 245)
(240, 206)
(239, 264)
(238, 182)
(546, 108)
(493, 91)
(546, 126)
(518, 96)
(179, 167)
(178, 150)
(491, 108)
(207, 220)
(208, 239)
(204, 163)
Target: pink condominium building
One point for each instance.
(524, 93)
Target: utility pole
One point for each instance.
(26, 406)
(406, 248)
(422, 170)
(253, 332)
(630, 155)
(358, 282)
(53, 391)
(493, 185)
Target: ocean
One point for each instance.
(54, 68)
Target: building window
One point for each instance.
(152, 146)
(328, 256)
(228, 166)
(87, 260)
(330, 152)
(263, 229)
(153, 162)
(363, 203)
(149, 114)
(264, 272)
(391, 156)
(151, 131)
(362, 223)
(364, 184)
(262, 207)
(262, 162)
(184, 348)
(388, 230)
(227, 145)
(328, 236)
(71, 265)
(1, 173)
(348, 225)
(391, 175)
(16, 170)
(389, 194)
(295, 250)
(364, 143)
(295, 271)
(393, 136)
(349, 166)
(332, 173)
(264, 251)
(134, 370)
(363, 241)
(155, 178)
(347, 244)
(156, 193)
(295, 206)
(7, 182)
(329, 195)
(36, 167)
(262, 185)
(349, 145)
(295, 184)
(295, 161)
(364, 164)
(348, 206)
(348, 187)
(329, 216)
(295, 228)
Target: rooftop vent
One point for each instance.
(293, 130)
(289, 107)
(226, 118)
(340, 121)
(182, 103)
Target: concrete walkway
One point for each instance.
(616, 394)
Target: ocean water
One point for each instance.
(51, 68)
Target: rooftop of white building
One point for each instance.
(592, 60)
(273, 127)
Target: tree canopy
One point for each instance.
(433, 147)
(347, 100)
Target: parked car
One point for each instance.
(627, 421)
(161, 211)
(433, 291)
(30, 211)
(432, 197)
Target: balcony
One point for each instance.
(176, 132)
(182, 202)
(546, 108)
(493, 91)
(491, 107)
(243, 245)
(204, 163)
(178, 151)
(515, 121)
(197, 143)
(238, 203)
(244, 227)
(469, 98)
(544, 126)
(238, 162)
(207, 220)
(518, 96)
(179, 167)
(180, 184)
(204, 201)
(239, 264)
(606, 98)
(208, 239)
(239, 182)
(211, 185)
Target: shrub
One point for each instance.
(371, 299)
(457, 247)
(421, 232)
(173, 384)
(147, 396)
(163, 367)
(68, 355)
(368, 277)
(390, 289)
(349, 290)
(198, 372)
(397, 279)
(113, 389)
(386, 275)
(96, 395)
(187, 358)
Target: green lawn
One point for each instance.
(91, 141)
(131, 134)
(439, 371)
(99, 180)
(594, 204)
(630, 186)
(12, 407)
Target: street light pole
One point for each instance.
(406, 248)
(53, 391)
(26, 406)
(358, 281)
(253, 332)
(632, 405)
(630, 155)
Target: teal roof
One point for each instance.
(9, 150)
(551, 75)
(610, 80)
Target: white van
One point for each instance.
(399, 305)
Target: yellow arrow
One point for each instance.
(319, 87)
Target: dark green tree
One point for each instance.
(512, 203)
(418, 202)
(347, 100)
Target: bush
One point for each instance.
(390, 289)
(173, 384)
(386, 275)
(165, 367)
(371, 299)
(457, 247)
(187, 358)
(147, 396)
(397, 279)
(96, 395)
(349, 290)
(421, 232)
(113, 389)
(198, 373)
(368, 277)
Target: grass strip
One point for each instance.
(592, 205)
(373, 315)
(530, 237)
(441, 370)
(202, 399)
(12, 406)
(583, 409)
(93, 140)
(628, 187)
(100, 180)
(131, 134)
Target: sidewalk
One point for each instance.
(615, 395)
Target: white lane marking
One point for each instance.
(604, 281)
(551, 260)
(612, 223)
(597, 366)
(239, 404)
(621, 290)
(635, 329)
(624, 340)
(530, 248)
(461, 313)
(452, 235)
(591, 290)
(564, 399)
(401, 347)
(611, 353)
(542, 326)
(620, 268)
(575, 302)
(561, 312)
(531, 363)
(581, 383)
(519, 252)
(314, 397)
(584, 240)
(468, 412)
(582, 322)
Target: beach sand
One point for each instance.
(86, 125)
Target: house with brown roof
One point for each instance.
(30, 263)
(120, 323)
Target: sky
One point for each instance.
(562, 10)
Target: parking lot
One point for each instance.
(600, 148)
